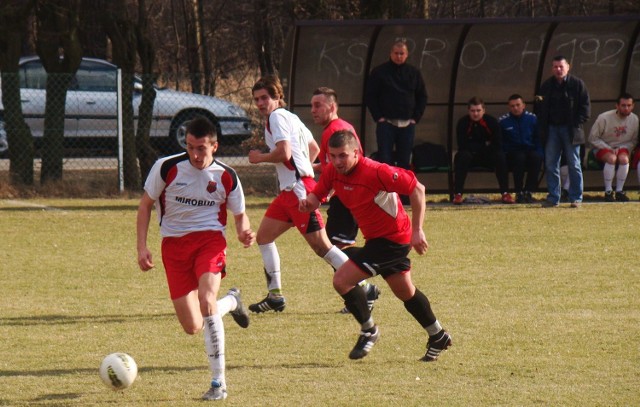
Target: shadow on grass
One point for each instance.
(32, 208)
(74, 319)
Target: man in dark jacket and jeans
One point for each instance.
(563, 106)
(396, 97)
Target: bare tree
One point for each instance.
(58, 46)
(13, 27)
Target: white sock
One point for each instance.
(335, 257)
(214, 346)
(226, 304)
(621, 176)
(434, 328)
(608, 172)
(564, 177)
(271, 260)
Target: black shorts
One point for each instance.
(381, 257)
(341, 227)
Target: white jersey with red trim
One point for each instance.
(189, 199)
(283, 125)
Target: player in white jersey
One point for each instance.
(192, 192)
(292, 149)
(613, 136)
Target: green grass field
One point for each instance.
(543, 306)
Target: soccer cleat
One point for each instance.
(457, 199)
(609, 197)
(520, 198)
(216, 392)
(621, 196)
(240, 314)
(269, 303)
(507, 198)
(436, 346)
(366, 340)
(373, 292)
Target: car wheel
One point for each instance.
(178, 132)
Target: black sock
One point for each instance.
(356, 302)
(419, 307)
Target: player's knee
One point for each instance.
(191, 329)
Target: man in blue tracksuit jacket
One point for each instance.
(522, 147)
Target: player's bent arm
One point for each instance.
(314, 150)
(417, 199)
(243, 228)
(145, 259)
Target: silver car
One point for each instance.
(91, 109)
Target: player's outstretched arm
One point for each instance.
(310, 203)
(246, 236)
(417, 199)
(145, 259)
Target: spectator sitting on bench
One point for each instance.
(522, 147)
(614, 136)
(479, 144)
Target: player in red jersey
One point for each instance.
(192, 192)
(341, 226)
(370, 189)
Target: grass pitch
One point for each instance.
(542, 304)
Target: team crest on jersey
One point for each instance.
(212, 186)
(395, 176)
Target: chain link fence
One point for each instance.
(90, 126)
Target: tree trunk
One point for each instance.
(13, 23)
(146, 155)
(263, 38)
(191, 42)
(121, 32)
(58, 46)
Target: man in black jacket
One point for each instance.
(563, 106)
(479, 140)
(396, 97)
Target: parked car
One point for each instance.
(91, 109)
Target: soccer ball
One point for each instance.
(118, 371)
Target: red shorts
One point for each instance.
(285, 208)
(188, 257)
(600, 153)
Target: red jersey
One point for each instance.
(332, 127)
(370, 191)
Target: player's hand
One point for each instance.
(247, 237)
(419, 242)
(303, 205)
(145, 260)
(254, 156)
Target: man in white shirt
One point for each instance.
(613, 136)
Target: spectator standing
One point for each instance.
(370, 190)
(563, 106)
(479, 144)
(192, 192)
(522, 147)
(396, 97)
(613, 137)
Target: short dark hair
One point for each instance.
(559, 58)
(328, 93)
(343, 138)
(515, 96)
(476, 100)
(200, 127)
(625, 95)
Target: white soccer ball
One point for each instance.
(118, 371)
